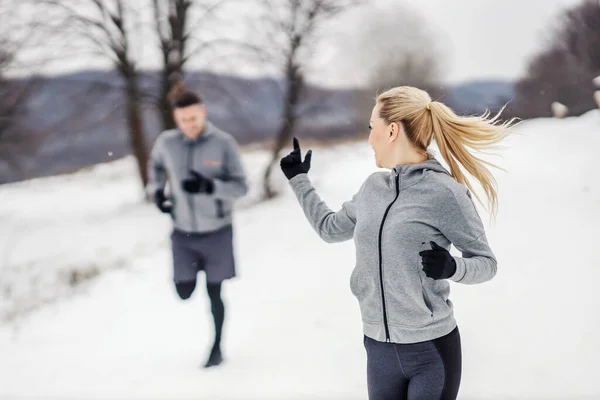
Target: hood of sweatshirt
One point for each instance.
(410, 174)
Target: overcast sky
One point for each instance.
(480, 39)
(492, 38)
(487, 38)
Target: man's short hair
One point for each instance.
(181, 97)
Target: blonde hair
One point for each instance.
(424, 120)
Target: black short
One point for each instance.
(211, 252)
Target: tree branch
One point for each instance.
(209, 11)
(220, 43)
(161, 30)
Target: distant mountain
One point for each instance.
(81, 115)
(475, 96)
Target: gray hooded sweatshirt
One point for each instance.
(214, 154)
(393, 216)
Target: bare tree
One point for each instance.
(24, 129)
(553, 75)
(185, 29)
(562, 72)
(108, 28)
(579, 33)
(292, 29)
(17, 141)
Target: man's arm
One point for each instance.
(157, 174)
(234, 184)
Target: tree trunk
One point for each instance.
(137, 139)
(165, 105)
(173, 54)
(292, 97)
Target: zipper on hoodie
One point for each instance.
(190, 163)
(385, 320)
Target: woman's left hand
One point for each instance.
(438, 263)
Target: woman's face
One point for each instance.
(379, 137)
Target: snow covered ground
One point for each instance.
(293, 328)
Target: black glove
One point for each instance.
(292, 164)
(438, 263)
(198, 183)
(161, 201)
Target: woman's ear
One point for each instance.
(393, 132)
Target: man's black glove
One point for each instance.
(292, 164)
(198, 183)
(161, 201)
(438, 263)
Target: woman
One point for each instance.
(410, 334)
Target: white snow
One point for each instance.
(293, 328)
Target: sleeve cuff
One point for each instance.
(299, 180)
(461, 270)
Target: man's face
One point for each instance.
(190, 120)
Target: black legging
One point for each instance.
(185, 290)
(428, 370)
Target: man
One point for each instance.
(205, 176)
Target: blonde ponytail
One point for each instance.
(455, 136)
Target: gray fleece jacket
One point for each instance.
(214, 154)
(389, 218)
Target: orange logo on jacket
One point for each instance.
(214, 163)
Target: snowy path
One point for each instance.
(293, 327)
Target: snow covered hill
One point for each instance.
(293, 328)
